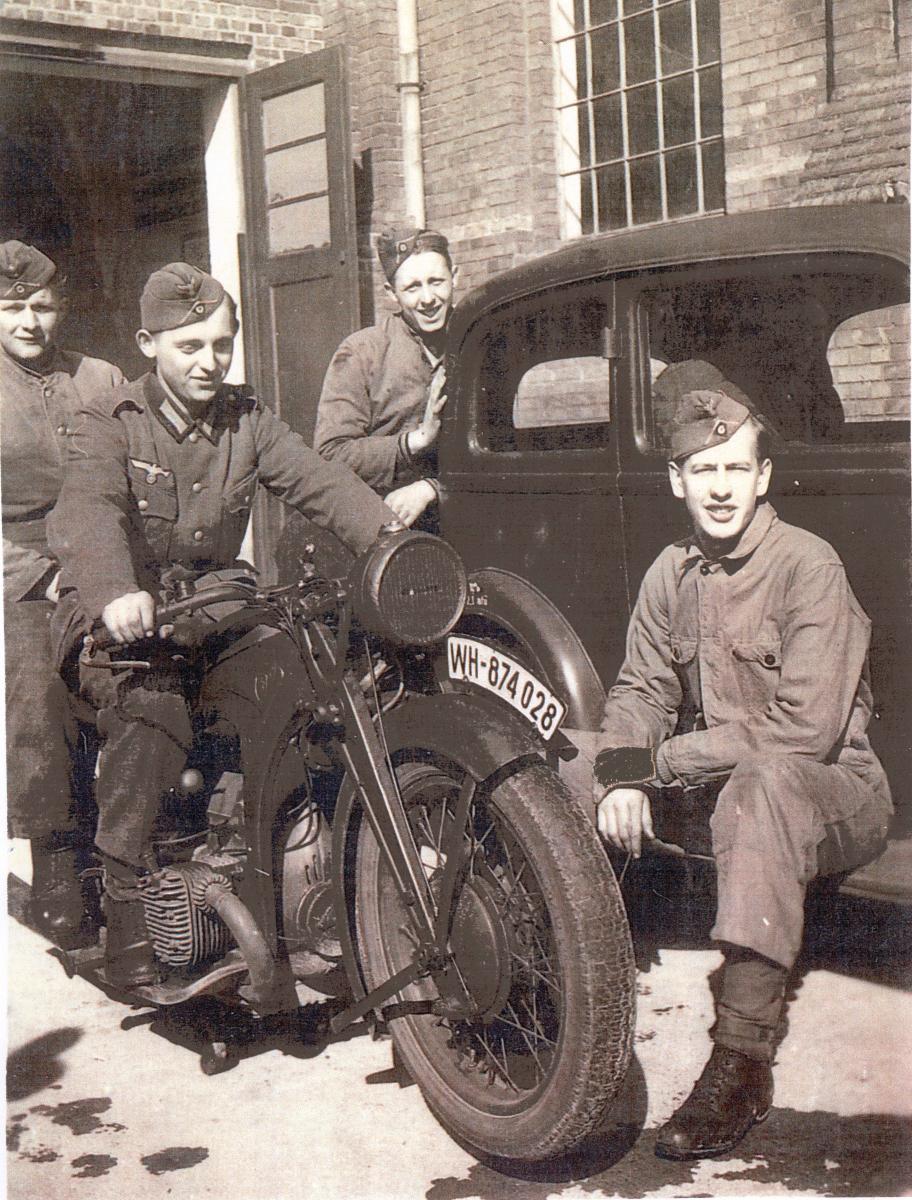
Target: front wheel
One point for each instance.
(539, 938)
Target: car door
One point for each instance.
(820, 344)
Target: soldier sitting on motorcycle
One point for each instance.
(160, 478)
(745, 683)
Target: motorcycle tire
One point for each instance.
(541, 938)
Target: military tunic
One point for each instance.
(148, 488)
(749, 672)
(37, 411)
(375, 390)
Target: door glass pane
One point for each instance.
(295, 171)
(568, 391)
(294, 115)
(299, 226)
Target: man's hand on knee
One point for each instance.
(624, 816)
(130, 617)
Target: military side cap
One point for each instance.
(23, 270)
(395, 246)
(707, 417)
(178, 295)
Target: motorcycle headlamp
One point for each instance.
(409, 587)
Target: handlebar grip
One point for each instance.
(167, 614)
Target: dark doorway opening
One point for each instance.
(108, 179)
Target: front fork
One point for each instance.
(368, 766)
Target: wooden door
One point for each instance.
(299, 258)
(301, 262)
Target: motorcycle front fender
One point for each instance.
(473, 731)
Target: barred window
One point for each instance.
(640, 111)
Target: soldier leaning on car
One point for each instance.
(745, 683)
(160, 478)
(383, 395)
(41, 388)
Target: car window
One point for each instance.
(821, 356)
(563, 391)
(545, 383)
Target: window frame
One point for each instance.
(571, 99)
(772, 268)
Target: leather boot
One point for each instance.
(734, 1093)
(57, 908)
(129, 957)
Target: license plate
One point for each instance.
(475, 662)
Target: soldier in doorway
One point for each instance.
(41, 388)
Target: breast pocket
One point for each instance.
(758, 666)
(236, 505)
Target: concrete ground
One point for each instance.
(108, 1102)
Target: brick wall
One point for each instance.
(815, 111)
(487, 128)
(276, 30)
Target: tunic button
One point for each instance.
(769, 659)
(142, 505)
(704, 569)
(61, 428)
(198, 535)
(193, 437)
(196, 487)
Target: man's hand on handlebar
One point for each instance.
(130, 618)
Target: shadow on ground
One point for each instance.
(817, 1153)
(303, 1033)
(39, 1063)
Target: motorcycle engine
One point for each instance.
(185, 931)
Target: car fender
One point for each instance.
(500, 599)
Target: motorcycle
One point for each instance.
(343, 815)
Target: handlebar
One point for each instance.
(101, 639)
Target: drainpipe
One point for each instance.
(409, 88)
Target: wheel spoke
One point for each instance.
(495, 1061)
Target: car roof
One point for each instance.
(850, 228)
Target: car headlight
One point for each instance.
(409, 587)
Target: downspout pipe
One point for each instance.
(409, 88)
